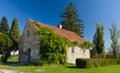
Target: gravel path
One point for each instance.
(9, 71)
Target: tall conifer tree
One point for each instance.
(71, 20)
(4, 27)
(15, 33)
(98, 40)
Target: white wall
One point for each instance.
(77, 53)
(31, 42)
(15, 52)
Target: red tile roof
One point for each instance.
(71, 36)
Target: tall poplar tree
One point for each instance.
(115, 34)
(4, 27)
(71, 20)
(98, 40)
(15, 33)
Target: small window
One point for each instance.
(28, 33)
(83, 50)
(22, 50)
(73, 50)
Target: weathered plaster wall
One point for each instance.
(77, 52)
(29, 42)
(32, 43)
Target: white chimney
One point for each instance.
(30, 20)
(60, 26)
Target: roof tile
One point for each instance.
(71, 36)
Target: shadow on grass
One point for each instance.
(12, 63)
(19, 64)
(71, 67)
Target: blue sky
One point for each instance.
(49, 11)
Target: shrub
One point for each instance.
(90, 63)
(110, 55)
(82, 63)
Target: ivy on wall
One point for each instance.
(52, 46)
(87, 45)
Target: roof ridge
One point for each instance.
(57, 28)
(72, 36)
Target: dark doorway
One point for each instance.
(29, 55)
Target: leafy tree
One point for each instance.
(15, 33)
(5, 44)
(71, 20)
(115, 34)
(4, 26)
(99, 40)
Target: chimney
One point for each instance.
(30, 20)
(59, 26)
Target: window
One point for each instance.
(22, 50)
(83, 50)
(28, 33)
(73, 50)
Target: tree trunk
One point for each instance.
(5, 55)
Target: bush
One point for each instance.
(110, 55)
(82, 63)
(90, 63)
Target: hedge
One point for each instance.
(91, 63)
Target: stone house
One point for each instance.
(29, 45)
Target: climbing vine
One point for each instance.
(52, 46)
(87, 45)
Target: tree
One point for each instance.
(15, 33)
(5, 44)
(115, 34)
(99, 40)
(4, 26)
(71, 20)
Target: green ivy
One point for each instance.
(86, 45)
(52, 46)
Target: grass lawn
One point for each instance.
(13, 58)
(58, 68)
(62, 69)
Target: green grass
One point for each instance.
(13, 58)
(62, 69)
(59, 68)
